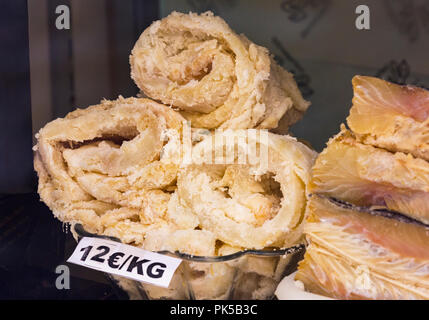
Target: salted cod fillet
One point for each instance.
(391, 116)
(359, 254)
(372, 177)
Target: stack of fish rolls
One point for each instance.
(120, 168)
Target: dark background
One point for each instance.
(32, 242)
(16, 138)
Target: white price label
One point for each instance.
(126, 261)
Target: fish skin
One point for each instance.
(390, 116)
(404, 238)
(338, 278)
(357, 255)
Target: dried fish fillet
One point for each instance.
(362, 255)
(391, 116)
(368, 225)
(215, 77)
(368, 176)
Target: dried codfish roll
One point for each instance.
(372, 177)
(120, 169)
(101, 167)
(391, 116)
(214, 76)
(252, 205)
(362, 254)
